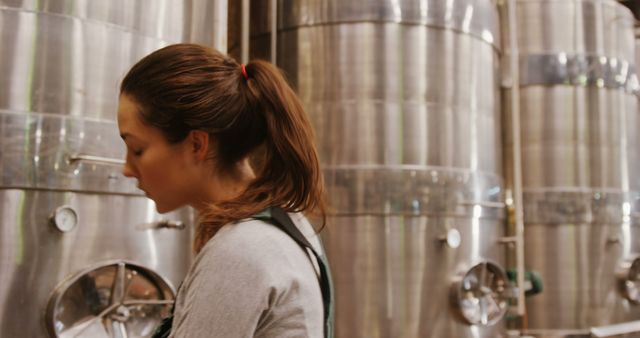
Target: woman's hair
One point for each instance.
(251, 113)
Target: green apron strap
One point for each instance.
(284, 223)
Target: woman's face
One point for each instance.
(163, 170)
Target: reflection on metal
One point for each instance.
(95, 159)
(579, 159)
(60, 67)
(36, 256)
(578, 70)
(557, 334)
(498, 205)
(273, 27)
(452, 238)
(629, 280)
(628, 329)
(52, 139)
(244, 32)
(574, 206)
(508, 240)
(404, 98)
(412, 190)
(514, 191)
(463, 16)
(114, 299)
(162, 224)
(480, 294)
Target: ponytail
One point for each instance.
(287, 168)
(249, 111)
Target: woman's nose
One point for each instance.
(127, 170)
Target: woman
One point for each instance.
(233, 142)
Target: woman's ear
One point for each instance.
(199, 143)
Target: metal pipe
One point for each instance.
(274, 30)
(220, 14)
(616, 330)
(95, 159)
(517, 158)
(508, 240)
(73, 190)
(244, 32)
(485, 204)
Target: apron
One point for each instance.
(281, 220)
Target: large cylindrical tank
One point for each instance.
(580, 171)
(403, 98)
(82, 251)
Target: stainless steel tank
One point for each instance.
(82, 251)
(579, 159)
(403, 97)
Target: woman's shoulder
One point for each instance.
(249, 232)
(260, 235)
(256, 240)
(254, 262)
(252, 250)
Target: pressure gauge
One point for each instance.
(452, 238)
(64, 218)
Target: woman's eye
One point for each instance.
(137, 153)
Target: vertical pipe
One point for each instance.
(274, 30)
(220, 19)
(244, 33)
(517, 160)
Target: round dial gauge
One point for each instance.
(64, 218)
(453, 238)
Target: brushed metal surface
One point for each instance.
(413, 190)
(60, 68)
(111, 295)
(578, 70)
(593, 27)
(404, 98)
(577, 263)
(386, 98)
(574, 137)
(199, 21)
(63, 57)
(36, 256)
(464, 16)
(35, 151)
(63, 65)
(580, 163)
(393, 276)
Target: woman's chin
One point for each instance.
(164, 208)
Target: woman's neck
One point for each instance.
(226, 186)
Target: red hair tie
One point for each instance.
(244, 71)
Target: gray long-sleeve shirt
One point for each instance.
(252, 280)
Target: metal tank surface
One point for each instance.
(404, 98)
(82, 252)
(580, 163)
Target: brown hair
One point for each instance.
(188, 87)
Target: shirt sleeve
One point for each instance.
(227, 294)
